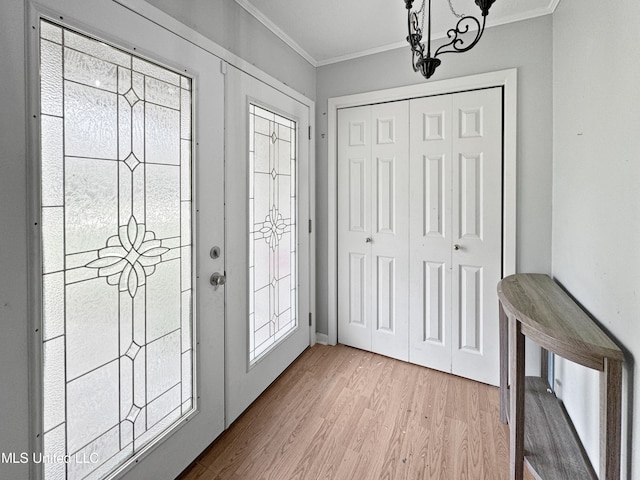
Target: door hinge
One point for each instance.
(309, 132)
(310, 227)
(310, 322)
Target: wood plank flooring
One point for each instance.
(345, 414)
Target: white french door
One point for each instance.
(130, 201)
(267, 237)
(420, 230)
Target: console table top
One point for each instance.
(551, 318)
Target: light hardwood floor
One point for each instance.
(345, 414)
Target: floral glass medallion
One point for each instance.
(273, 228)
(129, 257)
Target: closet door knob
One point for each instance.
(457, 247)
(369, 240)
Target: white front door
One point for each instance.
(267, 237)
(130, 201)
(373, 228)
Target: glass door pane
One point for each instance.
(272, 230)
(116, 202)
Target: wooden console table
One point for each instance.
(533, 305)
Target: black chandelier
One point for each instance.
(422, 59)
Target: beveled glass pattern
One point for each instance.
(116, 207)
(272, 230)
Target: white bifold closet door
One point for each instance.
(445, 220)
(456, 232)
(373, 260)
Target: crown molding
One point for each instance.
(553, 4)
(362, 53)
(249, 7)
(540, 12)
(258, 15)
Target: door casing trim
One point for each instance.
(508, 80)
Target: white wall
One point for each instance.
(232, 27)
(525, 45)
(596, 195)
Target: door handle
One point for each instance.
(218, 279)
(457, 247)
(369, 240)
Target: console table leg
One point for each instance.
(610, 419)
(516, 420)
(504, 364)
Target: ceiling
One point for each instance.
(329, 31)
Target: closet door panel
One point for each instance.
(430, 239)
(477, 230)
(354, 227)
(389, 203)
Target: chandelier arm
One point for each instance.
(416, 58)
(458, 44)
(414, 38)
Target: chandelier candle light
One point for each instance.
(422, 59)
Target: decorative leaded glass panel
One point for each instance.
(272, 230)
(116, 249)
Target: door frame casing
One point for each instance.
(508, 80)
